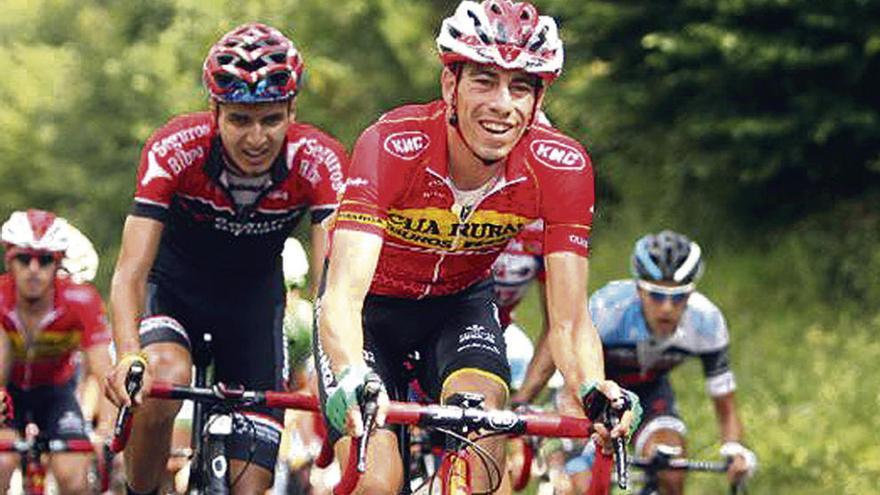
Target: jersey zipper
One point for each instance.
(455, 240)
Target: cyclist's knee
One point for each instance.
(71, 472)
(251, 479)
(384, 474)
(671, 482)
(664, 430)
(8, 463)
(492, 388)
(170, 363)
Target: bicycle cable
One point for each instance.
(214, 412)
(252, 448)
(485, 458)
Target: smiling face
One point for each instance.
(252, 134)
(494, 106)
(33, 274)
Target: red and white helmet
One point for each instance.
(508, 34)
(253, 63)
(35, 231)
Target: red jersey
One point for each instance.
(399, 187)
(521, 262)
(76, 322)
(210, 243)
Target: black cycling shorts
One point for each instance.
(448, 333)
(657, 399)
(54, 409)
(247, 349)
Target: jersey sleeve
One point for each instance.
(364, 205)
(567, 196)
(720, 379)
(156, 179)
(93, 318)
(322, 162)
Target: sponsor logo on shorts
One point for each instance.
(557, 155)
(153, 323)
(476, 332)
(70, 424)
(407, 145)
(476, 337)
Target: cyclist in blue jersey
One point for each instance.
(651, 324)
(218, 192)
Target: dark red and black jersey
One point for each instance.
(76, 322)
(399, 187)
(208, 241)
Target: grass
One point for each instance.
(807, 369)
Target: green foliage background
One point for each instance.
(751, 125)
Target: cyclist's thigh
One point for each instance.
(470, 340)
(249, 350)
(165, 335)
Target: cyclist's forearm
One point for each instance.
(140, 243)
(318, 252)
(540, 369)
(5, 359)
(341, 331)
(126, 295)
(577, 352)
(729, 425)
(574, 342)
(98, 365)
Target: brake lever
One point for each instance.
(122, 428)
(600, 409)
(369, 409)
(620, 454)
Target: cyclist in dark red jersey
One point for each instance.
(433, 195)
(47, 319)
(217, 194)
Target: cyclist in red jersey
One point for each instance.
(434, 194)
(218, 193)
(47, 320)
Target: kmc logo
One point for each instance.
(407, 145)
(557, 155)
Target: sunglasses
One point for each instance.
(660, 293)
(43, 259)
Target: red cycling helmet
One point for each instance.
(510, 35)
(35, 231)
(253, 63)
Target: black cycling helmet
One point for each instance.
(667, 256)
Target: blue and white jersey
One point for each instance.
(634, 358)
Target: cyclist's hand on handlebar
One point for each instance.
(596, 398)
(343, 405)
(115, 388)
(743, 462)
